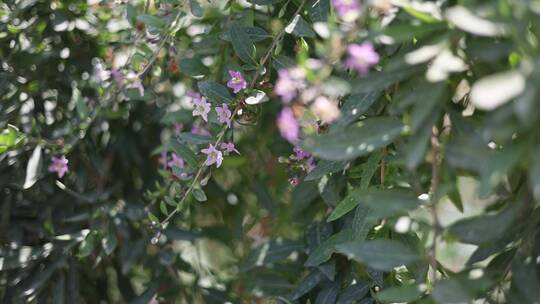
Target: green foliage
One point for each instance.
(422, 183)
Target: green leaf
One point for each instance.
(199, 195)
(451, 291)
(131, 14)
(300, 28)
(369, 169)
(152, 21)
(401, 294)
(308, 283)
(357, 140)
(270, 252)
(256, 34)
(109, 242)
(196, 9)
(193, 67)
(194, 139)
(353, 293)
(242, 44)
(383, 203)
(378, 81)
(379, 254)
(87, 245)
(32, 168)
(9, 138)
(318, 10)
(484, 228)
(353, 108)
(215, 92)
(185, 153)
(325, 167)
(328, 295)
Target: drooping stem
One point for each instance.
(222, 132)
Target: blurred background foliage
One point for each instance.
(431, 198)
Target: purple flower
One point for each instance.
(136, 82)
(224, 115)
(194, 95)
(59, 165)
(348, 10)
(213, 156)
(288, 83)
(176, 161)
(300, 154)
(178, 128)
(310, 165)
(237, 81)
(228, 148)
(199, 130)
(361, 57)
(288, 126)
(201, 108)
(162, 160)
(118, 77)
(100, 73)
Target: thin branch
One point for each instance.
(219, 139)
(435, 177)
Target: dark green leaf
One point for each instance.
(379, 254)
(152, 21)
(357, 140)
(401, 294)
(215, 92)
(242, 44)
(353, 293)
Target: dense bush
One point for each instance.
(271, 151)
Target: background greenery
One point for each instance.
(439, 206)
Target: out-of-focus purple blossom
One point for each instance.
(300, 154)
(310, 165)
(199, 130)
(237, 81)
(100, 73)
(59, 165)
(361, 57)
(178, 127)
(118, 77)
(224, 115)
(135, 82)
(176, 161)
(289, 82)
(348, 10)
(288, 125)
(162, 160)
(294, 181)
(228, 148)
(201, 108)
(213, 156)
(193, 95)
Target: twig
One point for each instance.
(435, 172)
(224, 129)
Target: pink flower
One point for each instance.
(288, 126)
(288, 84)
(237, 81)
(348, 10)
(294, 181)
(213, 156)
(201, 108)
(300, 154)
(162, 160)
(361, 57)
(100, 73)
(176, 161)
(224, 115)
(59, 165)
(228, 148)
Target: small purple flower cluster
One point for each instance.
(59, 165)
(348, 10)
(300, 162)
(215, 155)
